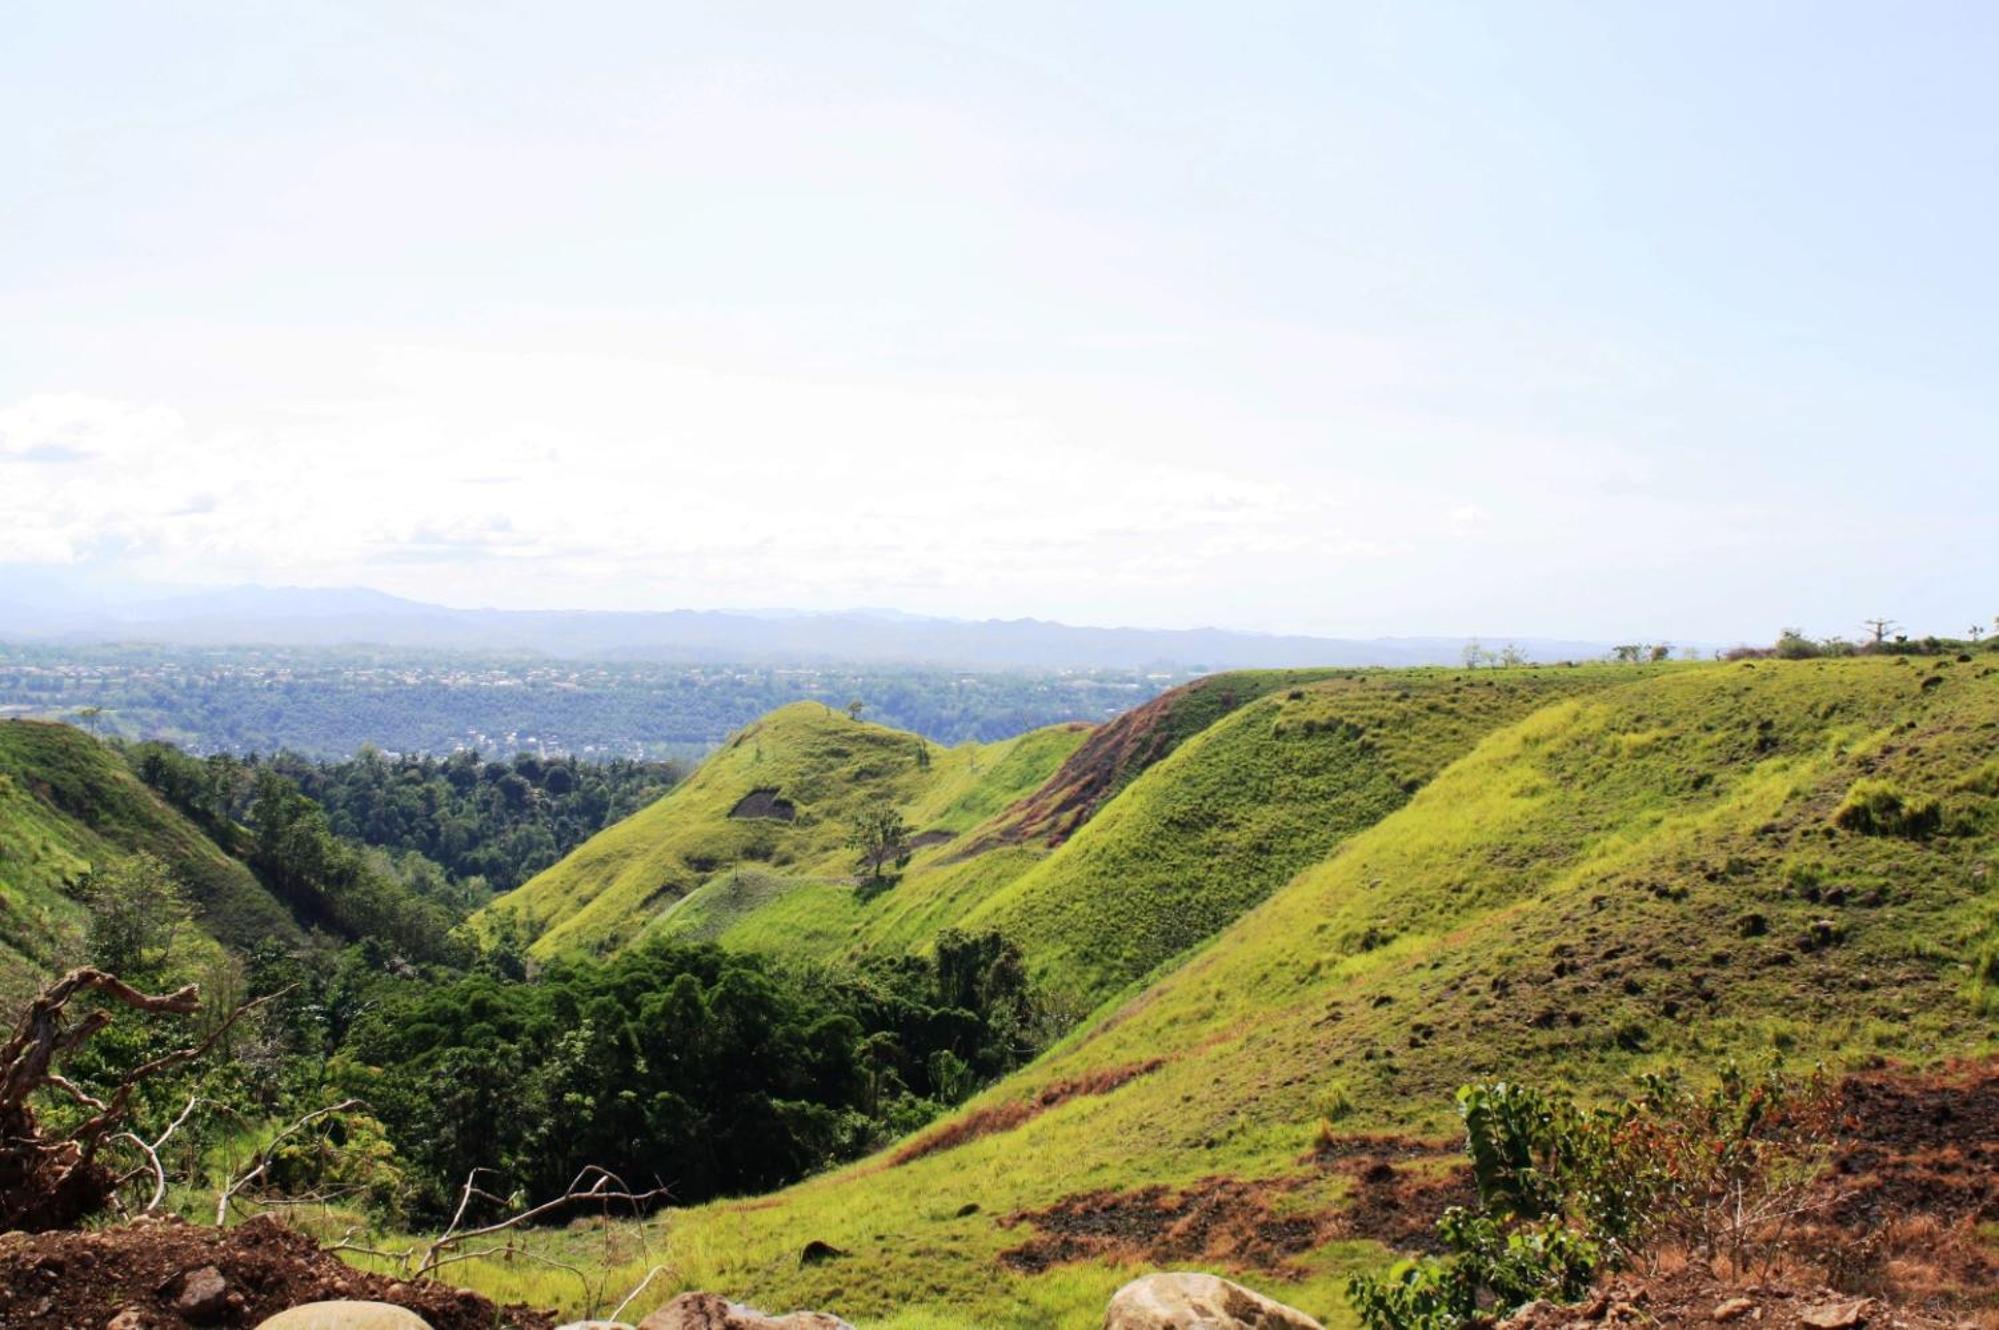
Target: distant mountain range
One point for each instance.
(38, 606)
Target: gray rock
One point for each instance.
(1188, 1301)
(204, 1295)
(345, 1316)
(709, 1311)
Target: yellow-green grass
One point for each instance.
(68, 804)
(825, 765)
(1631, 878)
(1240, 807)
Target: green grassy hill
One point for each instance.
(68, 803)
(1165, 824)
(766, 818)
(1699, 863)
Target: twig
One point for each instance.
(263, 1157)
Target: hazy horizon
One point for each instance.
(1584, 321)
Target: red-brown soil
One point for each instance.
(56, 1281)
(1005, 1117)
(1217, 1221)
(1106, 762)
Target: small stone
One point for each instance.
(1188, 1301)
(1731, 1309)
(130, 1318)
(709, 1311)
(204, 1295)
(1835, 1315)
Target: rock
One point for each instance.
(1835, 1315)
(1187, 1301)
(345, 1316)
(204, 1295)
(594, 1325)
(967, 1210)
(130, 1318)
(710, 1311)
(1731, 1309)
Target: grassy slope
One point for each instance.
(1242, 806)
(67, 803)
(1572, 901)
(636, 873)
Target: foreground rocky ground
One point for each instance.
(169, 1275)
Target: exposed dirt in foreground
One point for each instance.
(1900, 1232)
(154, 1269)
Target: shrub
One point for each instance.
(1880, 808)
(1566, 1193)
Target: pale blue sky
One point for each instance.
(1583, 319)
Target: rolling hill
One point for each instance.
(1562, 878)
(68, 803)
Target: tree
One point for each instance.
(137, 907)
(1880, 628)
(1511, 655)
(1473, 654)
(1977, 631)
(1628, 654)
(1661, 651)
(854, 708)
(880, 841)
(89, 715)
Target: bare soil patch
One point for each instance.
(55, 1281)
(923, 840)
(1005, 1117)
(1217, 1221)
(765, 803)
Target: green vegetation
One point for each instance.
(781, 798)
(69, 805)
(489, 826)
(1568, 1192)
(1304, 922)
(1569, 903)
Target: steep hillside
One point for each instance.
(1725, 861)
(67, 803)
(1183, 849)
(775, 804)
(1167, 823)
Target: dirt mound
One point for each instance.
(1005, 1117)
(1217, 1221)
(56, 1281)
(765, 803)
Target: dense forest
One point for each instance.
(485, 827)
(329, 703)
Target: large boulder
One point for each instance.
(709, 1311)
(345, 1316)
(1187, 1301)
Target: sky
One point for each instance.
(1590, 319)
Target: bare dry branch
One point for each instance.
(264, 1156)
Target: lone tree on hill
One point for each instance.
(855, 708)
(880, 841)
(1880, 628)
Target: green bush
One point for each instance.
(1566, 1193)
(1880, 808)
